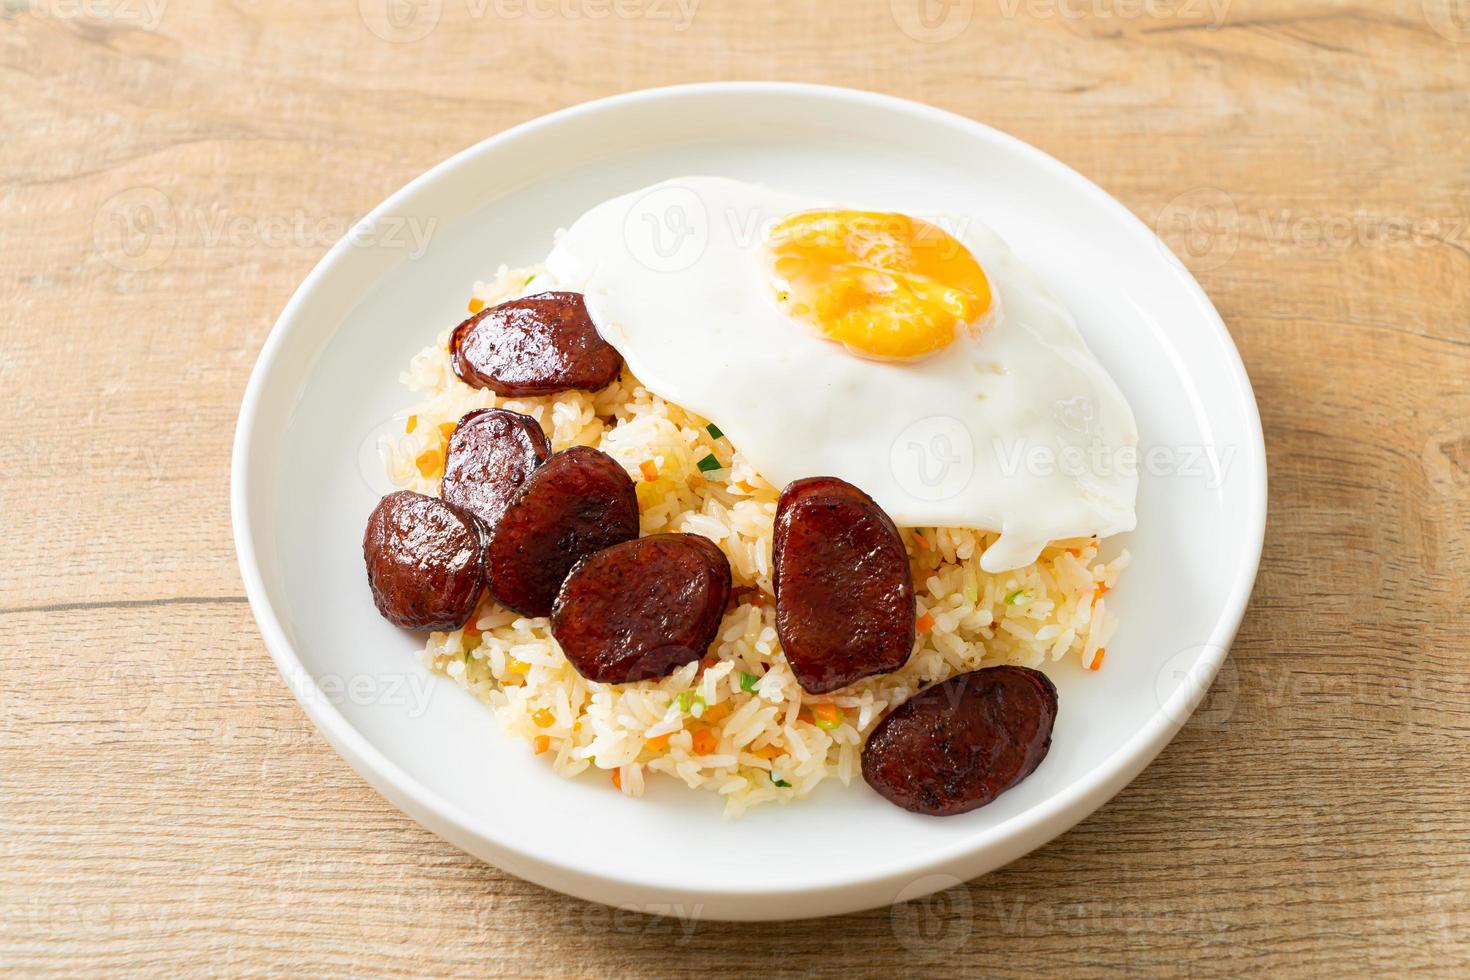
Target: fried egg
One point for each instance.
(917, 359)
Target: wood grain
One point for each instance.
(165, 805)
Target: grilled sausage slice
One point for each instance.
(491, 454)
(577, 502)
(425, 561)
(536, 345)
(642, 608)
(958, 745)
(844, 596)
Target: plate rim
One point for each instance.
(1010, 839)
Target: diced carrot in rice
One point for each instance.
(705, 741)
(431, 463)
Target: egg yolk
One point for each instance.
(884, 285)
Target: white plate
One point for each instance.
(305, 478)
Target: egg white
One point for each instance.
(1016, 428)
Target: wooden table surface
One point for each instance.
(169, 172)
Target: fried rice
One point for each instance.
(736, 723)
